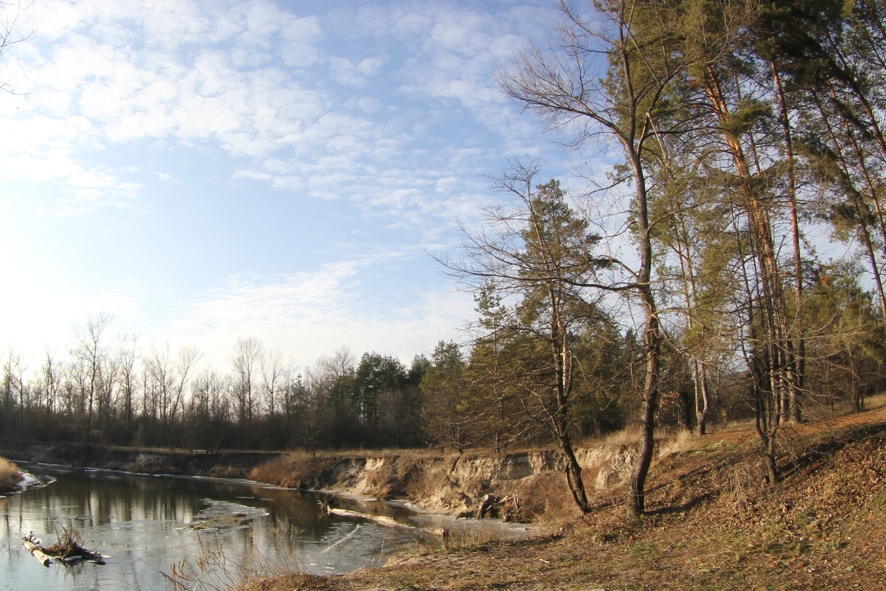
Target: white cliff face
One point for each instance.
(457, 483)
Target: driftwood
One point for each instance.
(507, 508)
(489, 503)
(68, 549)
(380, 519)
(328, 507)
(33, 546)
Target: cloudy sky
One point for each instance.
(208, 170)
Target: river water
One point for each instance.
(144, 525)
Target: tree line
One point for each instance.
(118, 393)
(114, 391)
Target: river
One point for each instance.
(145, 524)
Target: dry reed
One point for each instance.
(213, 570)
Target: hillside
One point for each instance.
(713, 524)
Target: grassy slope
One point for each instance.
(713, 524)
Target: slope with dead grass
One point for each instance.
(10, 476)
(713, 524)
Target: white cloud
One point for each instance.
(392, 124)
(357, 74)
(126, 71)
(368, 104)
(229, 75)
(312, 314)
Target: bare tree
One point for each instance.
(90, 355)
(210, 410)
(246, 364)
(168, 380)
(51, 383)
(12, 33)
(105, 398)
(273, 375)
(14, 367)
(127, 357)
(273, 372)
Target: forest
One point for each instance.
(722, 260)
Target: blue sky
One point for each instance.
(211, 170)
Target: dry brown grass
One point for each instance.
(713, 524)
(228, 472)
(409, 475)
(289, 583)
(387, 481)
(546, 498)
(682, 440)
(414, 474)
(425, 477)
(296, 470)
(212, 570)
(10, 476)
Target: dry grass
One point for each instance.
(414, 474)
(632, 435)
(228, 472)
(213, 570)
(421, 478)
(10, 476)
(546, 498)
(386, 482)
(456, 539)
(296, 470)
(288, 583)
(713, 524)
(683, 440)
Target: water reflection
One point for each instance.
(143, 524)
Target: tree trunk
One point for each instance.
(702, 395)
(651, 340)
(573, 475)
(799, 360)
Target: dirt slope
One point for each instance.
(456, 483)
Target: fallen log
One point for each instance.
(68, 549)
(380, 519)
(36, 552)
(328, 506)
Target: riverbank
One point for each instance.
(456, 484)
(447, 484)
(712, 524)
(226, 464)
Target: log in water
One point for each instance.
(37, 553)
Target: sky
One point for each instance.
(205, 171)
